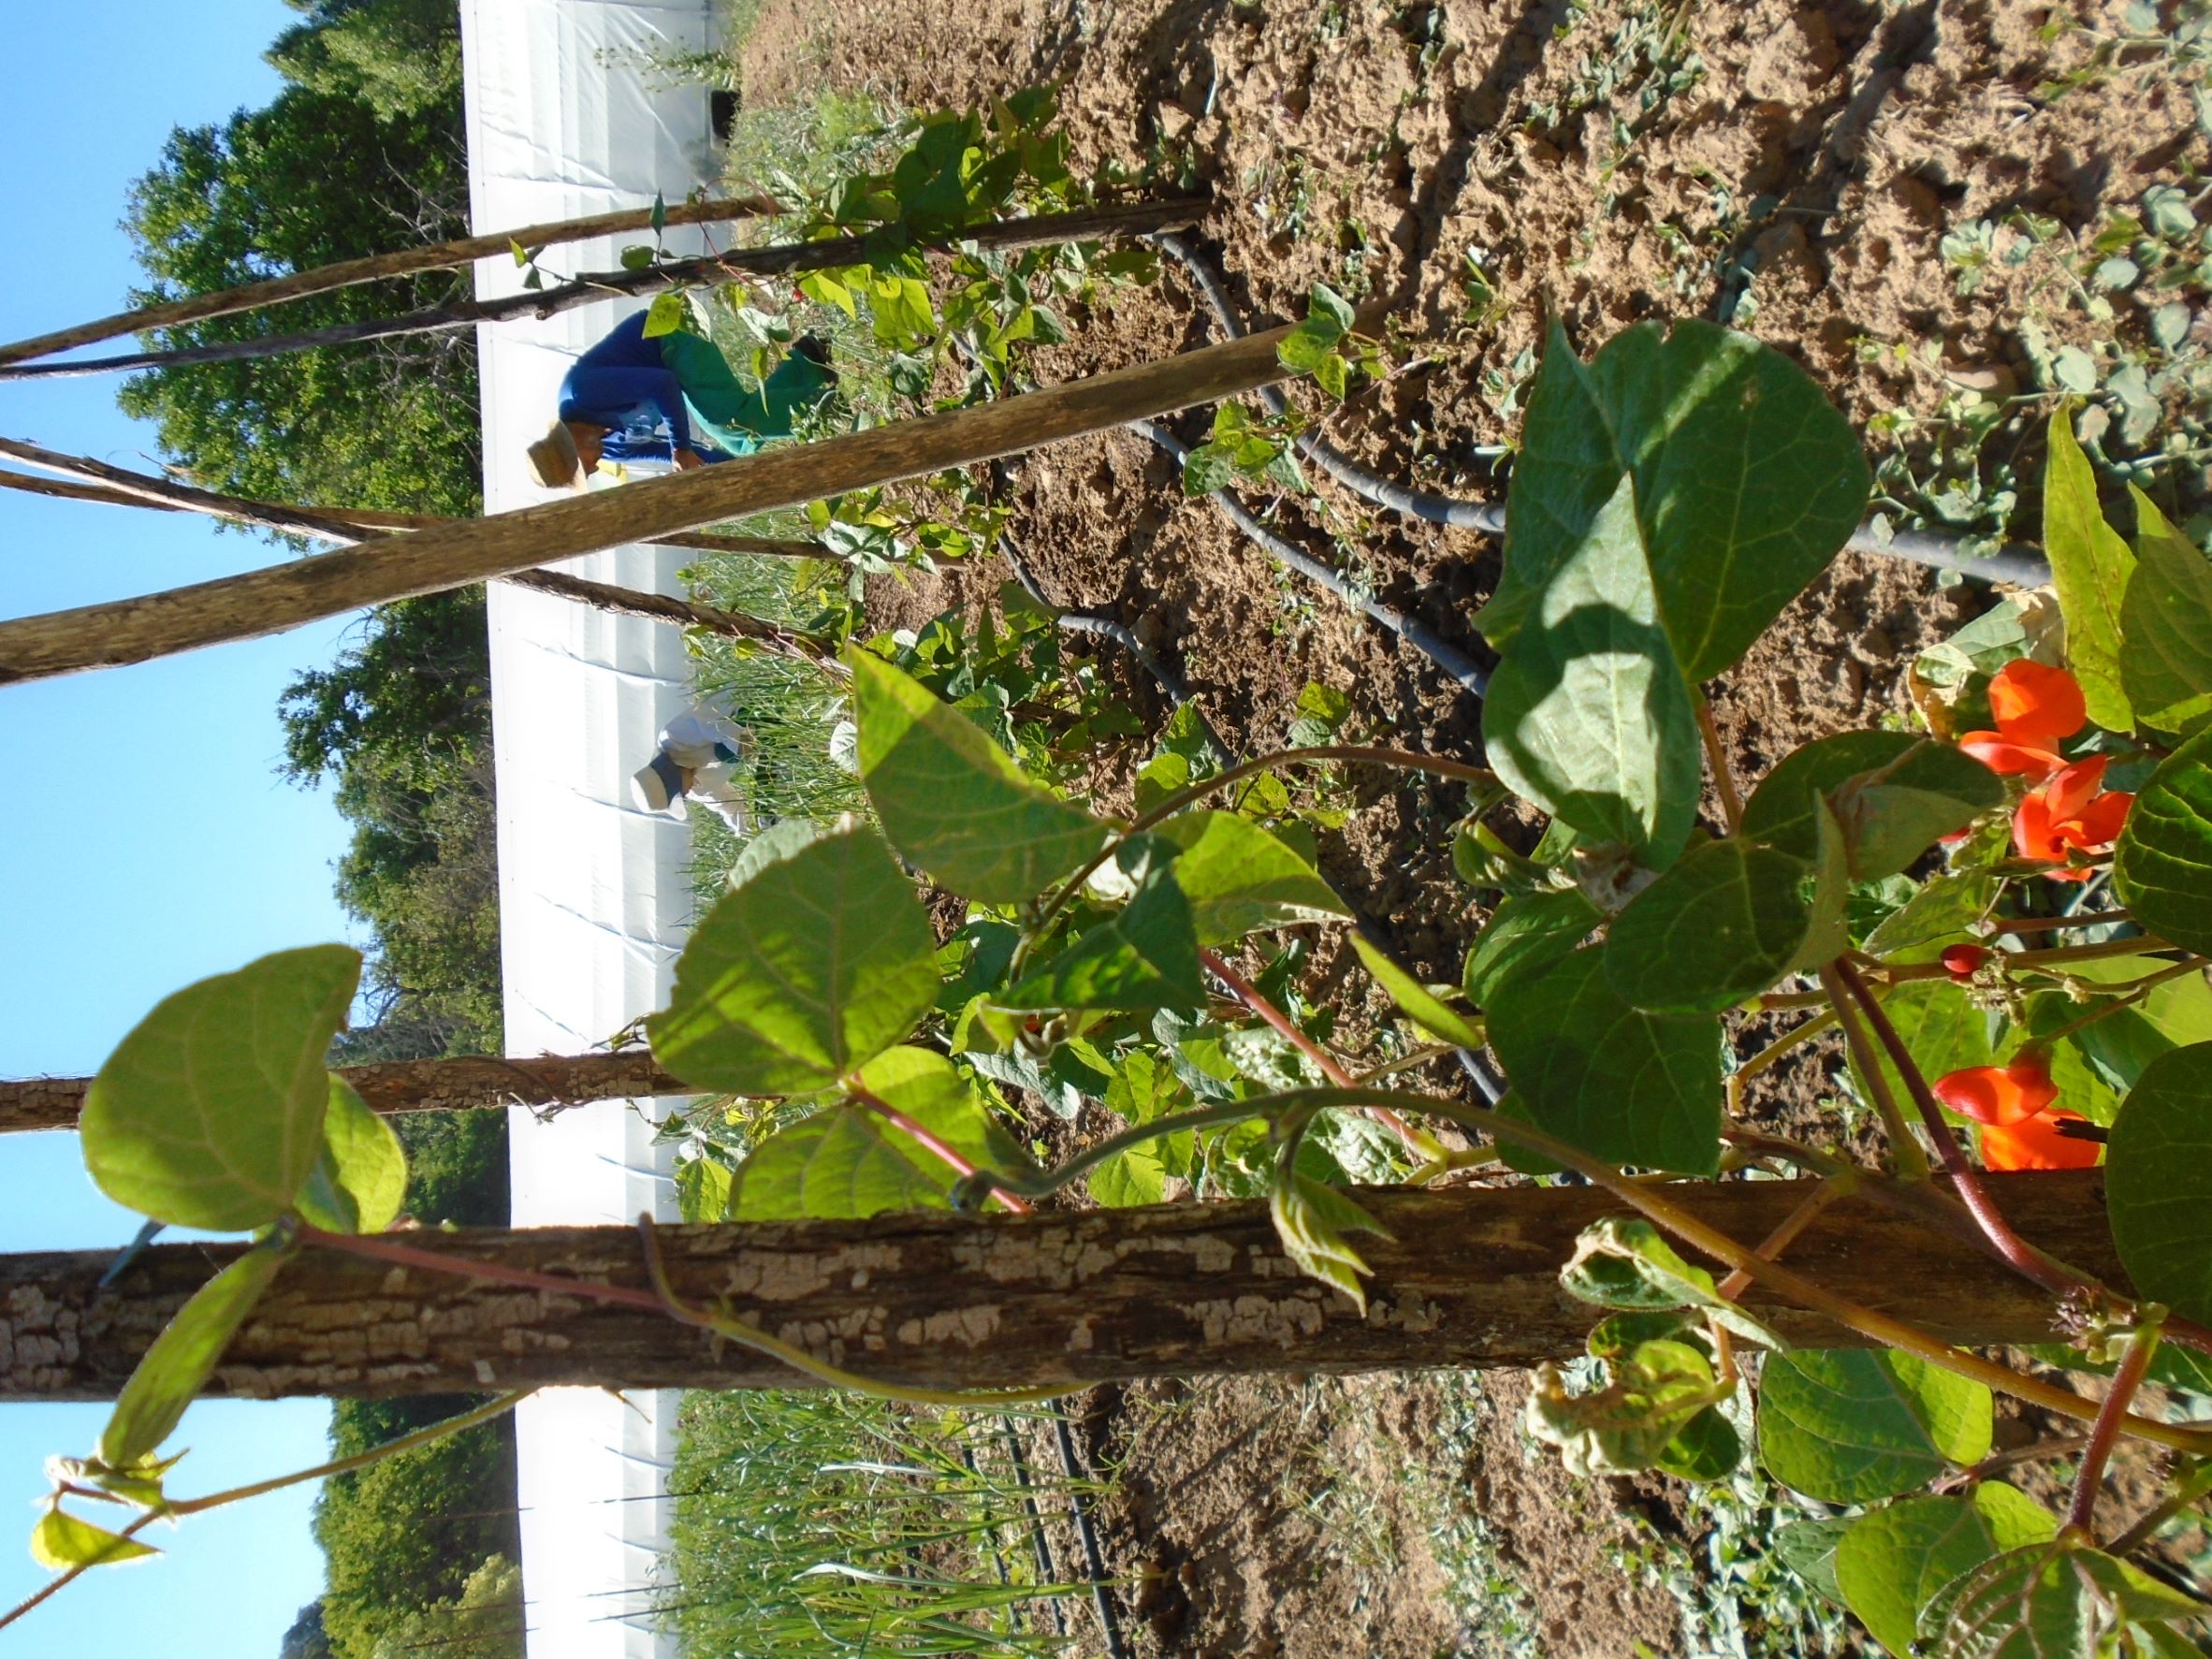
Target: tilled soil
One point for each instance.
(1818, 174)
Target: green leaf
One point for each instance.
(952, 801)
(360, 1181)
(703, 1190)
(1135, 1175)
(1893, 794)
(1309, 346)
(61, 1541)
(1852, 1425)
(1655, 1392)
(2163, 866)
(184, 1356)
(210, 1113)
(1808, 1549)
(1746, 481)
(2090, 567)
(1525, 935)
(1721, 927)
(1417, 1002)
(522, 255)
(1326, 307)
(1589, 715)
(820, 961)
(660, 214)
(1622, 1263)
(2062, 1599)
(1893, 1561)
(1628, 1086)
(1312, 1218)
(824, 289)
(1334, 375)
(2158, 1178)
(1942, 1029)
(2166, 626)
(1143, 956)
(1240, 877)
(1941, 912)
(849, 1162)
(1707, 1448)
(665, 316)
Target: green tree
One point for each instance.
(397, 56)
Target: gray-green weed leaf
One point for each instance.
(1628, 1086)
(184, 1356)
(2158, 1180)
(2166, 626)
(1853, 1425)
(2090, 567)
(210, 1113)
(2162, 864)
(2062, 1600)
(1418, 1003)
(954, 802)
(1893, 1561)
(1239, 876)
(1724, 924)
(822, 960)
(1312, 1219)
(1526, 933)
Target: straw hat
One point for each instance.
(555, 460)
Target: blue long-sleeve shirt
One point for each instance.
(622, 384)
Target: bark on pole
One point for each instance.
(377, 266)
(285, 596)
(164, 496)
(456, 1084)
(1468, 1277)
(1144, 218)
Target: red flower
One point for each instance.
(2069, 815)
(2032, 704)
(2010, 760)
(2038, 1144)
(1960, 961)
(1998, 1094)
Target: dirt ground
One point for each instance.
(1898, 195)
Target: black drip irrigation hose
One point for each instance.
(2018, 564)
(1455, 662)
(1093, 1559)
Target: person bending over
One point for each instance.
(700, 750)
(672, 398)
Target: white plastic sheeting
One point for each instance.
(566, 117)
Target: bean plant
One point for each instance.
(2006, 915)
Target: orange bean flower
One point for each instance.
(1998, 1094)
(2036, 708)
(2070, 814)
(2038, 1143)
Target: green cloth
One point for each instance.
(737, 418)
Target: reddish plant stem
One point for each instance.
(2023, 1258)
(384, 1247)
(2105, 1432)
(1911, 1162)
(1771, 1247)
(2055, 924)
(1254, 998)
(928, 1138)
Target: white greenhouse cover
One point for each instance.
(568, 115)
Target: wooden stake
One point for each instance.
(1468, 1277)
(283, 596)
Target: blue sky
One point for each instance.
(145, 838)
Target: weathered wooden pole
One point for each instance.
(459, 1082)
(283, 596)
(1144, 218)
(1468, 1277)
(350, 273)
(118, 486)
